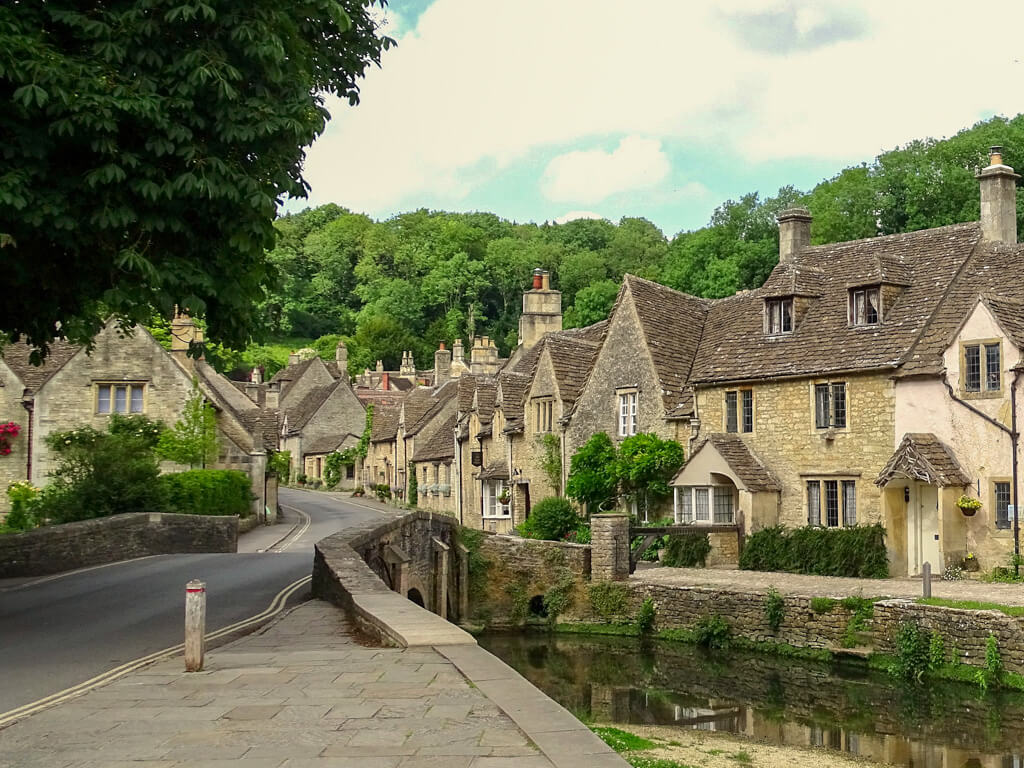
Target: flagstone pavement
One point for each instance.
(303, 693)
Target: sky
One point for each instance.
(546, 110)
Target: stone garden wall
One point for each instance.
(57, 548)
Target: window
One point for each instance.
(981, 366)
(706, 504)
(778, 316)
(543, 411)
(836, 498)
(865, 306)
(492, 507)
(627, 414)
(1002, 496)
(830, 405)
(120, 398)
(739, 411)
(350, 471)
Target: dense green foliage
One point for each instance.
(414, 486)
(608, 599)
(551, 518)
(208, 492)
(103, 473)
(686, 550)
(22, 515)
(146, 147)
(551, 460)
(774, 608)
(193, 438)
(426, 276)
(592, 479)
(645, 466)
(645, 617)
(713, 632)
(281, 463)
(857, 551)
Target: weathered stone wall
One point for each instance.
(12, 466)
(528, 453)
(725, 550)
(108, 539)
(786, 439)
(622, 362)
(520, 570)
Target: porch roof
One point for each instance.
(922, 456)
(727, 455)
(496, 470)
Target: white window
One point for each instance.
(120, 398)
(832, 503)
(865, 306)
(493, 507)
(627, 414)
(778, 316)
(706, 505)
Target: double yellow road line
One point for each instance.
(275, 607)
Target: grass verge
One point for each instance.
(973, 605)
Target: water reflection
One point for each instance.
(774, 700)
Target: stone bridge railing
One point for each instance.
(382, 573)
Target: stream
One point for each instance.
(613, 680)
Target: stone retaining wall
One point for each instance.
(520, 570)
(57, 548)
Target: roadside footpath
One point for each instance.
(303, 693)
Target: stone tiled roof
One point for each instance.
(385, 423)
(985, 273)
(741, 461)
(672, 323)
(1010, 315)
(486, 393)
(17, 356)
(438, 399)
(416, 404)
(794, 280)
(495, 470)
(326, 444)
(514, 387)
(300, 414)
(467, 388)
(572, 360)
(922, 456)
(441, 444)
(734, 346)
(291, 373)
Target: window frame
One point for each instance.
(492, 509)
(129, 388)
(986, 350)
(858, 316)
(832, 501)
(780, 303)
(687, 507)
(627, 412)
(543, 415)
(1006, 523)
(832, 414)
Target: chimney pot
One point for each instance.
(385, 382)
(995, 156)
(538, 278)
(441, 346)
(794, 233)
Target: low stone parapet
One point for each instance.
(57, 548)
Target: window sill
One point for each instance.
(986, 395)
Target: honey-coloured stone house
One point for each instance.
(126, 373)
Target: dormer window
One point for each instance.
(778, 316)
(865, 306)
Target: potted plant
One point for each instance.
(968, 505)
(971, 563)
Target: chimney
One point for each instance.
(273, 395)
(385, 382)
(293, 359)
(183, 334)
(256, 375)
(794, 233)
(252, 391)
(484, 360)
(408, 367)
(341, 357)
(542, 310)
(380, 366)
(998, 200)
(442, 365)
(458, 355)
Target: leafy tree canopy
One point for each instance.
(146, 146)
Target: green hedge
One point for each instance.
(857, 551)
(687, 550)
(209, 492)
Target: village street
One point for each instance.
(60, 631)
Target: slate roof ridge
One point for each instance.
(312, 402)
(895, 237)
(31, 376)
(441, 396)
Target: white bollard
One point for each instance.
(195, 625)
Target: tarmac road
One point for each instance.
(58, 631)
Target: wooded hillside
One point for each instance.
(427, 276)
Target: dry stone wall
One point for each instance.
(57, 548)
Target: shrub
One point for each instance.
(22, 516)
(281, 463)
(645, 617)
(823, 604)
(712, 632)
(550, 519)
(913, 647)
(592, 478)
(608, 599)
(858, 551)
(414, 486)
(581, 535)
(687, 550)
(992, 673)
(383, 491)
(103, 473)
(301, 478)
(209, 492)
(774, 609)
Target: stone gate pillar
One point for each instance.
(609, 547)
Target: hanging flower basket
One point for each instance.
(8, 432)
(968, 505)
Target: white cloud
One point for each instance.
(573, 215)
(480, 85)
(593, 175)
